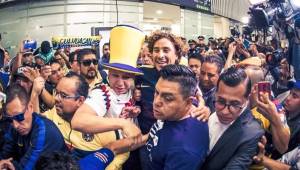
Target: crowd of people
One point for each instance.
(150, 102)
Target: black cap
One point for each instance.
(192, 41)
(294, 84)
(201, 37)
(19, 73)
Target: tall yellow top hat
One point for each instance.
(125, 45)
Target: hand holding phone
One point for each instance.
(264, 87)
(29, 44)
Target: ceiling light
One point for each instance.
(159, 12)
(255, 2)
(295, 4)
(245, 20)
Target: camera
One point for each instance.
(274, 58)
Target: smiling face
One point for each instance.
(120, 81)
(164, 53)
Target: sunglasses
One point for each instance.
(19, 117)
(89, 62)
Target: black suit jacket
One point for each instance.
(237, 146)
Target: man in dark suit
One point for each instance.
(233, 131)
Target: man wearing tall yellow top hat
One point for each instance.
(114, 101)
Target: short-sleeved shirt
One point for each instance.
(265, 122)
(83, 144)
(266, 125)
(107, 103)
(292, 158)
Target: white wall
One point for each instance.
(42, 20)
(221, 27)
(196, 23)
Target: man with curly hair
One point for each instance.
(166, 49)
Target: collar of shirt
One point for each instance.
(216, 128)
(208, 93)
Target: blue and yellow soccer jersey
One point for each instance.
(266, 125)
(82, 144)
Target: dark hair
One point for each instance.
(81, 84)
(234, 76)
(56, 160)
(72, 56)
(17, 91)
(196, 56)
(200, 36)
(176, 41)
(214, 59)
(45, 47)
(86, 51)
(56, 53)
(182, 75)
(105, 44)
(53, 61)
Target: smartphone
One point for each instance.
(246, 44)
(264, 87)
(29, 44)
(21, 69)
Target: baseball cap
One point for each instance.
(201, 37)
(294, 84)
(192, 41)
(28, 51)
(20, 73)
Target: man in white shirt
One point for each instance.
(233, 131)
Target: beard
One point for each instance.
(66, 116)
(91, 74)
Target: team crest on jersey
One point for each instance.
(87, 137)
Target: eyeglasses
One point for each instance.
(89, 62)
(106, 49)
(19, 117)
(63, 96)
(232, 107)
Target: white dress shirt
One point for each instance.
(216, 130)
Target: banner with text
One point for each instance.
(66, 42)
